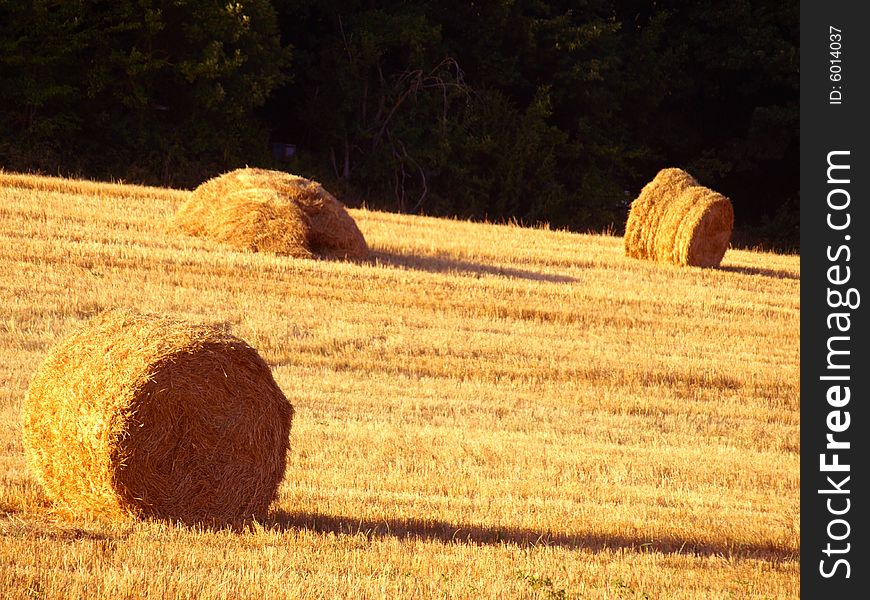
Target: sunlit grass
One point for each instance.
(482, 410)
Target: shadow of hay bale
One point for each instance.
(445, 264)
(772, 273)
(453, 533)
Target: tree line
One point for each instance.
(527, 110)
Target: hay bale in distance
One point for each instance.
(145, 416)
(647, 209)
(706, 231)
(257, 220)
(334, 233)
(329, 230)
(663, 239)
(676, 220)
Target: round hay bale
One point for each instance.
(145, 416)
(677, 220)
(334, 233)
(671, 221)
(330, 230)
(649, 207)
(705, 230)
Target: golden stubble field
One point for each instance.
(482, 411)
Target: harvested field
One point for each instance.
(481, 411)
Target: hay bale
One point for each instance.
(334, 233)
(139, 415)
(648, 208)
(663, 239)
(329, 230)
(706, 229)
(676, 220)
(257, 220)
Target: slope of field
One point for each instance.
(482, 410)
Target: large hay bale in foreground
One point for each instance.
(138, 415)
(677, 220)
(328, 229)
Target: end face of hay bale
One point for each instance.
(333, 232)
(213, 210)
(152, 417)
(710, 224)
(673, 214)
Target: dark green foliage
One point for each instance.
(716, 92)
(464, 109)
(161, 91)
(529, 110)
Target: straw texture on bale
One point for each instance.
(145, 416)
(706, 231)
(647, 208)
(318, 223)
(256, 219)
(679, 221)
